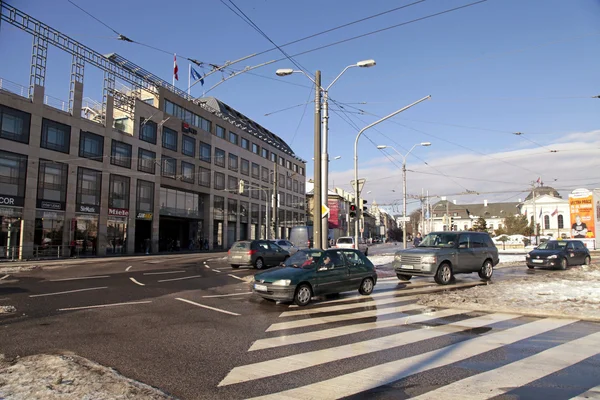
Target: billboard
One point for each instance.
(583, 220)
(334, 213)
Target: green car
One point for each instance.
(312, 272)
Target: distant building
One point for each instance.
(447, 215)
(549, 210)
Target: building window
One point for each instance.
(255, 148)
(561, 222)
(265, 174)
(52, 182)
(188, 146)
(295, 186)
(118, 192)
(220, 132)
(91, 146)
(263, 193)
(218, 207)
(281, 199)
(219, 181)
(281, 180)
(232, 184)
(264, 153)
(273, 157)
(13, 170)
(14, 124)
(245, 144)
(187, 172)
(546, 222)
(288, 164)
(288, 183)
(205, 150)
(146, 161)
(281, 161)
(302, 191)
(204, 177)
(295, 168)
(245, 167)
(219, 157)
(233, 162)
(145, 196)
(288, 200)
(255, 192)
(89, 186)
(233, 138)
(247, 188)
(180, 203)
(55, 136)
(120, 154)
(301, 170)
(254, 213)
(169, 167)
(232, 210)
(255, 171)
(169, 139)
(148, 130)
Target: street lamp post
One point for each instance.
(425, 144)
(325, 138)
(356, 194)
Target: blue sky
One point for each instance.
(492, 69)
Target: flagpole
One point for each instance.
(174, 61)
(189, 78)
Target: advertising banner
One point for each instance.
(334, 213)
(581, 207)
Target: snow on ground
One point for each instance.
(67, 377)
(572, 293)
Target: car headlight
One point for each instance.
(398, 257)
(528, 255)
(552, 256)
(428, 260)
(282, 282)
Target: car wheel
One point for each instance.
(302, 295)
(259, 263)
(563, 264)
(587, 260)
(486, 270)
(366, 286)
(530, 266)
(235, 266)
(443, 276)
(367, 252)
(404, 277)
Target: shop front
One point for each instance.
(86, 230)
(116, 231)
(181, 224)
(10, 230)
(48, 234)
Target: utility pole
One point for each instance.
(317, 216)
(535, 223)
(275, 199)
(325, 169)
(448, 215)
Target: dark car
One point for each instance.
(444, 254)
(558, 254)
(312, 272)
(258, 253)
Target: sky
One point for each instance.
(492, 69)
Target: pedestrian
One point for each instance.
(417, 241)
(72, 248)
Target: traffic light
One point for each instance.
(364, 206)
(451, 223)
(352, 210)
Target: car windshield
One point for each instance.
(345, 240)
(304, 258)
(552, 245)
(439, 240)
(240, 246)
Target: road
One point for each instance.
(188, 325)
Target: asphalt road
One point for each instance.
(193, 330)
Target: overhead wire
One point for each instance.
(310, 93)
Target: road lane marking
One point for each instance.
(208, 307)
(350, 329)
(4, 277)
(236, 277)
(223, 268)
(179, 279)
(309, 359)
(4, 298)
(301, 323)
(80, 278)
(164, 272)
(216, 270)
(69, 291)
(383, 374)
(128, 268)
(519, 373)
(136, 282)
(157, 261)
(206, 266)
(104, 305)
(227, 295)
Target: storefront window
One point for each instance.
(145, 196)
(86, 234)
(218, 207)
(179, 203)
(232, 210)
(48, 235)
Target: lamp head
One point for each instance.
(366, 63)
(426, 144)
(382, 146)
(337, 157)
(284, 72)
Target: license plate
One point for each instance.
(537, 261)
(407, 267)
(260, 288)
(237, 257)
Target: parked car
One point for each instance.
(258, 253)
(347, 242)
(312, 272)
(445, 254)
(302, 236)
(558, 254)
(286, 245)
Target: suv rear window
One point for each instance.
(241, 246)
(345, 241)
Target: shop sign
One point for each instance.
(87, 209)
(118, 212)
(146, 216)
(50, 205)
(186, 128)
(11, 212)
(16, 201)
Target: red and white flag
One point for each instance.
(555, 212)
(175, 68)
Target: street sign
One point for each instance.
(361, 183)
(324, 210)
(404, 219)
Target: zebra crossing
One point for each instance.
(384, 343)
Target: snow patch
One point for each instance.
(381, 260)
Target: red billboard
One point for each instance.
(334, 213)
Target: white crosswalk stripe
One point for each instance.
(593, 393)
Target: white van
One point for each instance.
(347, 242)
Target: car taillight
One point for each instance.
(352, 246)
(252, 252)
(229, 252)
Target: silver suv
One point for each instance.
(444, 254)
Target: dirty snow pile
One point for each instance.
(7, 309)
(381, 260)
(67, 377)
(572, 293)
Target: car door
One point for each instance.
(332, 278)
(571, 253)
(357, 270)
(465, 254)
(277, 253)
(582, 251)
(264, 251)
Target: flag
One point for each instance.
(540, 213)
(175, 68)
(539, 179)
(555, 212)
(196, 76)
(525, 213)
